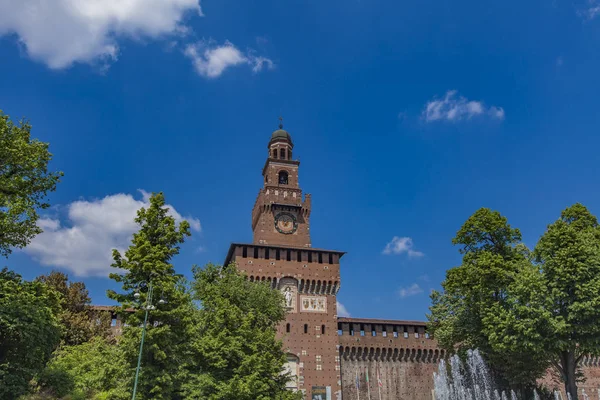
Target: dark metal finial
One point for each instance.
(280, 122)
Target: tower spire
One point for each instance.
(280, 122)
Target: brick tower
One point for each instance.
(309, 278)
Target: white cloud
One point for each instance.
(211, 60)
(412, 290)
(401, 245)
(590, 11)
(455, 108)
(62, 32)
(94, 228)
(259, 62)
(341, 310)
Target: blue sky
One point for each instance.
(406, 116)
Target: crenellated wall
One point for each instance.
(399, 352)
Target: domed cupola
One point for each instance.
(281, 145)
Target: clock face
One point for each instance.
(286, 223)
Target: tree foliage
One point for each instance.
(24, 183)
(235, 347)
(559, 303)
(80, 323)
(92, 370)
(29, 331)
(525, 311)
(148, 260)
(475, 293)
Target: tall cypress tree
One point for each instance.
(147, 262)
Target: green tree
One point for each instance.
(465, 314)
(235, 348)
(29, 331)
(80, 323)
(148, 259)
(92, 370)
(24, 183)
(557, 307)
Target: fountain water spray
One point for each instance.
(471, 380)
(557, 395)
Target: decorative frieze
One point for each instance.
(313, 304)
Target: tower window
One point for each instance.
(320, 258)
(305, 328)
(309, 256)
(274, 153)
(289, 255)
(283, 178)
(277, 254)
(256, 252)
(282, 154)
(299, 256)
(289, 155)
(267, 254)
(322, 329)
(330, 258)
(287, 328)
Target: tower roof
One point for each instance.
(281, 134)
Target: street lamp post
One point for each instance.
(149, 306)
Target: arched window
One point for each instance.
(282, 154)
(283, 178)
(287, 328)
(305, 328)
(274, 153)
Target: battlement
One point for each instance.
(283, 196)
(379, 333)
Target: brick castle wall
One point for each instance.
(308, 334)
(400, 352)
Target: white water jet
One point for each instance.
(472, 381)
